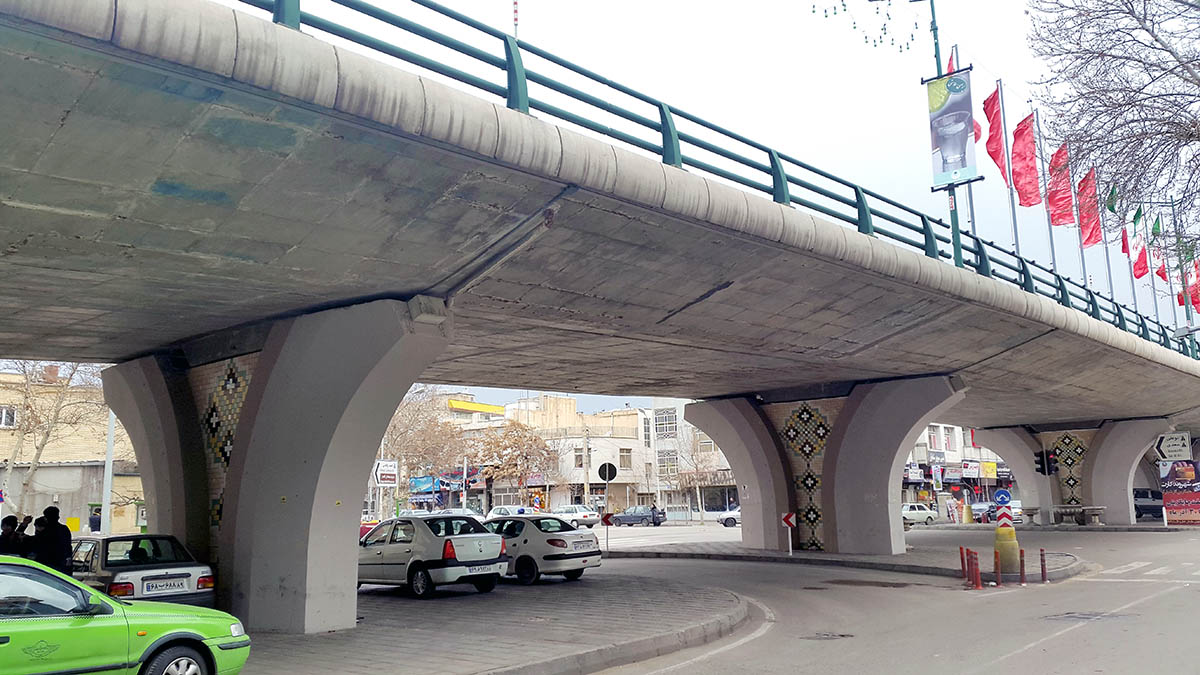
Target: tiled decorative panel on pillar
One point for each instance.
(1070, 450)
(804, 430)
(220, 389)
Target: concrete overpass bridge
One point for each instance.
(273, 236)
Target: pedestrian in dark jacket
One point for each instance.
(13, 540)
(52, 544)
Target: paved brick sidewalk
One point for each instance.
(461, 631)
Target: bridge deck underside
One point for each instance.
(141, 207)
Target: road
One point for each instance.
(1130, 613)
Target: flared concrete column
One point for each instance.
(1017, 448)
(154, 405)
(864, 457)
(762, 476)
(1111, 462)
(323, 391)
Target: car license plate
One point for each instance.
(165, 586)
(479, 569)
(582, 545)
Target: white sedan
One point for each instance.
(918, 513)
(423, 552)
(578, 514)
(542, 544)
(731, 517)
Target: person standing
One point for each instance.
(52, 543)
(13, 540)
(94, 520)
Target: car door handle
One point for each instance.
(408, 550)
(378, 552)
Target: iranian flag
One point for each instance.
(1089, 210)
(1141, 259)
(1192, 281)
(1125, 241)
(1160, 262)
(1058, 192)
(1024, 164)
(995, 141)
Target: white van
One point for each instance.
(1147, 502)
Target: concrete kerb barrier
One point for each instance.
(619, 654)
(1064, 527)
(1072, 568)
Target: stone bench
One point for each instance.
(1082, 514)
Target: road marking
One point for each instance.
(991, 594)
(1159, 570)
(1072, 627)
(1135, 581)
(768, 624)
(1187, 564)
(1196, 573)
(1126, 568)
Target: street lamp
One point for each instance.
(1184, 331)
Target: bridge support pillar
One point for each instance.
(865, 455)
(763, 476)
(1017, 448)
(1113, 458)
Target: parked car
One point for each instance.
(543, 544)
(471, 513)
(426, 551)
(1017, 513)
(142, 567)
(979, 509)
(578, 514)
(50, 622)
(917, 513)
(498, 511)
(731, 517)
(1147, 502)
(643, 515)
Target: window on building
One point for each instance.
(578, 458)
(707, 446)
(934, 437)
(626, 455)
(8, 417)
(665, 425)
(505, 497)
(646, 431)
(948, 434)
(649, 471)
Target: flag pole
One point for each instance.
(1112, 293)
(1079, 221)
(1037, 122)
(1187, 296)
(1012, 200)
(1170, 280)
(1150, 259)
(970, 186)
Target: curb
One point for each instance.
(619, 654)
(1056, 528)
(1057, 574)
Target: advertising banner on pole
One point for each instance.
(970, 469)
(987, 470)
(952, 474)
(952, 129)
(936, 473)
(1181, 491)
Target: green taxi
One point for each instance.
(51, 623)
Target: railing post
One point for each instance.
(865, 226)
(1027, 277)
(931, 247)
(670, 137)
(1121, 323)
(779, 182)
(1166, 337)
(287, 13)
(956, 242)
(1145, 328)
(518, 90)
(1064, 294)
(1093, 305)
(1192, 346)
(983, 265)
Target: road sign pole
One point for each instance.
(607, 529)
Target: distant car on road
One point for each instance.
(472, 513)
(979, 509)
(918, 513)
(498, 511)
(142, 567)
(731, 517)
(1147, 502)
(1018, 513)
(578, 514)
(542, 544)
(425, 551)
(639, 515)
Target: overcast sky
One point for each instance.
(797, 80)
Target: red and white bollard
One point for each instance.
(1045, 577)
(996, 567)
(962, 561)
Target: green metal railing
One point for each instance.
(758, 167)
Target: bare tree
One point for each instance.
(420, 438)
(513, 452)
(1125, 94)
(55, 400)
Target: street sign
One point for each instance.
(789, 519)
(1002, 496)
(607, 471)
(1174, 447)
(387, 473)
(606, 519)
(1004, 517)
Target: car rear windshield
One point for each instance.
(552, 525)
(145, 551)
(454, 526)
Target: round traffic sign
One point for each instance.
(607, 471)
(1002, 497)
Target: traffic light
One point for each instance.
(1039, 462)
(1051, 462)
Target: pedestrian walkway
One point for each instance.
(554, 626)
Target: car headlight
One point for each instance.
(237, 630)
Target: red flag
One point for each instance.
(995, 141)
(1024, 164)
(1125, 241)
(1089, 210)
(1193, 285)
(978, 130)
(1141, 260)
(1160, 260)
(950, 63)
(1058, 191)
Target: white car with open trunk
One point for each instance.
(426, 551)
(545, 544)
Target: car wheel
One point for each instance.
(929, 520)
(590, 526)
(575, 524)
(527, 571)
(573, 575)
(176, 661)
(730, 522)
(420, 584)
(487, 584)
(645, 522)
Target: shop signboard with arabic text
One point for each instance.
(1181, 491)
